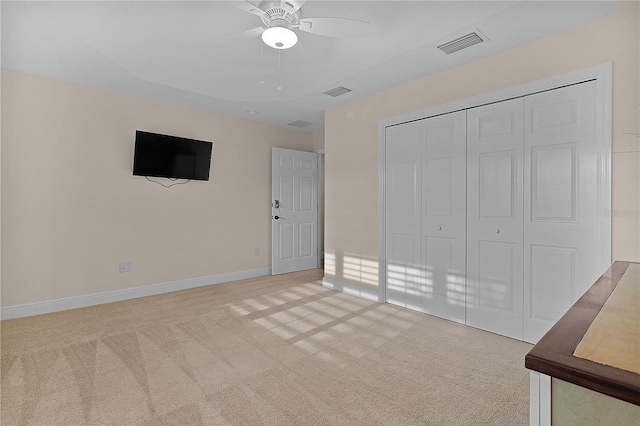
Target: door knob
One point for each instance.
(439, 228)
(497, 231)
(276, 217)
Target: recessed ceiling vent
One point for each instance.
(460, 43)
(299, 123)
(337, 91)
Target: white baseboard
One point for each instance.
(74, 302)
(351, 289)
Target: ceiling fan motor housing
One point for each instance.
(276, 15)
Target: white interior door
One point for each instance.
(444, 216)
(495, 218)
(561, 257)
(403, 179)
(425, 215)
(294, 210)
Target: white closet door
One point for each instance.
(495, 218)
(561, 203)
(444, 215)
(405, 275)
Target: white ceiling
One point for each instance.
(166, 50)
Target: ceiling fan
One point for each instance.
(280, 18)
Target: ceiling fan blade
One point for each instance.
(335, 27)
(294, 4)
(240, 37)
(297, 53)
(247, 6)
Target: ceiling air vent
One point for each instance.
(460, 43)
(299, 123)
(337, 91)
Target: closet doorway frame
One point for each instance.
(601, 74)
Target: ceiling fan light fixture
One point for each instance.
(279, 37)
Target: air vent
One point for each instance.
(299, 123)
(337, 91)
(460, 43)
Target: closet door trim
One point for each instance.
(602, 74)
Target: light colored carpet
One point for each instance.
(274, 350)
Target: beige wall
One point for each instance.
(318, 145)
(71, 209)
(318, 141)
(351, 138)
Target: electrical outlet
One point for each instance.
(257, 251)
(126, 266)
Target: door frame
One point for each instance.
(602, 74)
(320, 187)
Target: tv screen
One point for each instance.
(171, 156)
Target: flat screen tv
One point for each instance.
(171, 156)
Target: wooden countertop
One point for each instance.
(614, 336)
(554, 356)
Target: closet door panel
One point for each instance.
(561, 203)
(439, 187)
(444, 215)
(494, 299)
(552, 275)
(403, 206)
(495, 275)
(405, 277)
